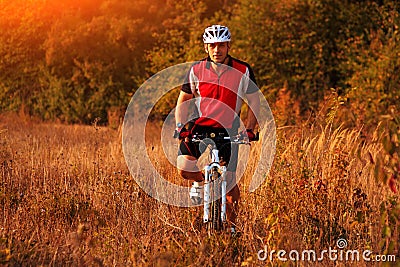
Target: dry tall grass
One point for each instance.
(67, 199)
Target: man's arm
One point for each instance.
(254, 110)
(182, 108)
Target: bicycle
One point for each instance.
(214, 193)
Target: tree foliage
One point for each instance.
(74, 60)
(23, 31)
(374, 85)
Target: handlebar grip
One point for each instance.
(257, 137)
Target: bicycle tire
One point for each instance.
(216, 222)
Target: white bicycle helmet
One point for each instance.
(216, 34)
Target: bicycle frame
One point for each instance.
(214, 205)
(207, 184)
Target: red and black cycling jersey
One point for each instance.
(219, 96)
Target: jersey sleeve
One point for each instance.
(186, 86)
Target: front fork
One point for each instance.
(223, 194)
(207, 193)
(207, 197)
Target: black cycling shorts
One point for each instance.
(228, 153)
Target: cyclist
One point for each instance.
(218, 83)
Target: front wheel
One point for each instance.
(216, 221)
(216, 215)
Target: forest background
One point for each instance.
(73, 61)
(329, 69)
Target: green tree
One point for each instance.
(97, 61)
(180, 42)
(73, 60)
(23, 26)
(374, 86)
(300, 45)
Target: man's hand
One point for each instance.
(249, 134)
(181, 133)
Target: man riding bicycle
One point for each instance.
(218, 84)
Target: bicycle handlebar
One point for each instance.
(237, 139)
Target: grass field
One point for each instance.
(67, 198)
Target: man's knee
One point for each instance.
(186, 163)
(187, 168)
(185, 174)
